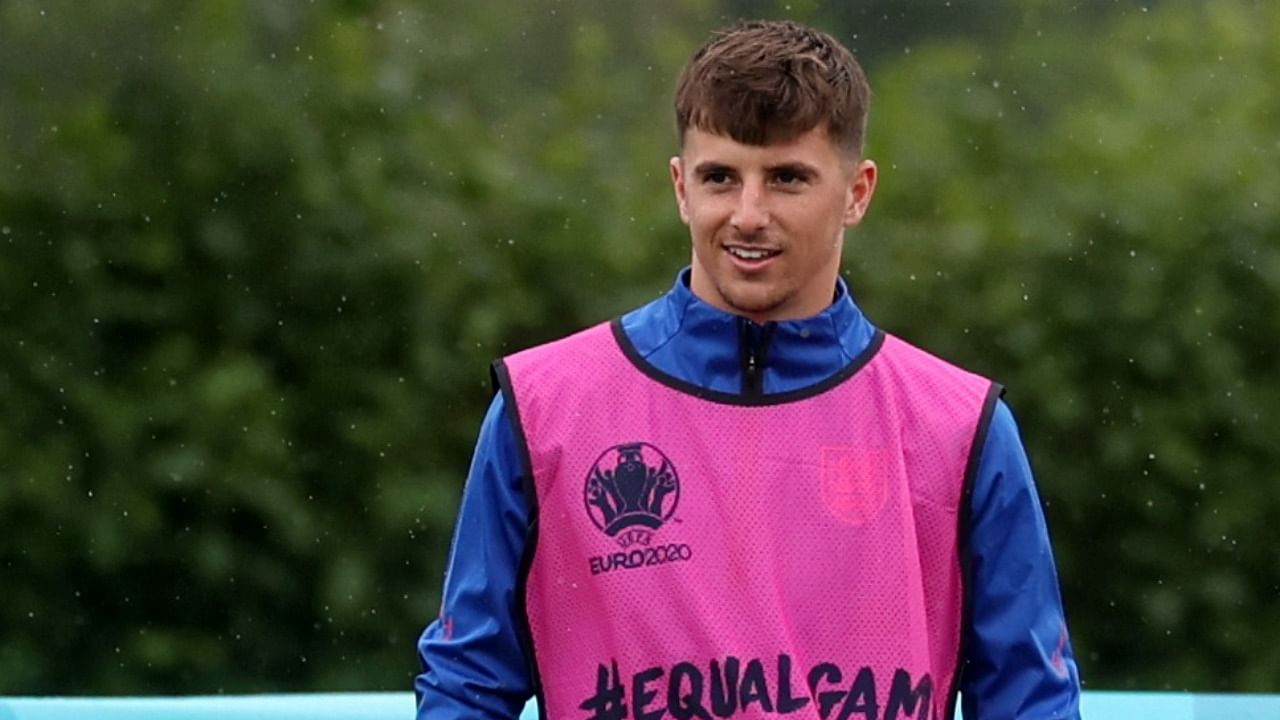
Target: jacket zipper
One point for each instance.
(754, 342)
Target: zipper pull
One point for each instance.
(748, 346)
(753, 342)
(751, 379)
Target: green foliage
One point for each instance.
(257, 256)
(1099, 232)
(257, 259)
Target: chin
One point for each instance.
(754, 303)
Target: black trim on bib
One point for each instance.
(502, 383)
(728, 398)
(964, 515)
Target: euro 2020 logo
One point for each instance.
(631, 491)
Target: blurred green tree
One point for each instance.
(1095, 223)
(257, 257)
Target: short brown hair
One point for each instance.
(767, 81)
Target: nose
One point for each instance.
(750, 214)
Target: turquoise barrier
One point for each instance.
(1096, 705)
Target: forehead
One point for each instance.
(814, 147)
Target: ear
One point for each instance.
(677, 182)
(862, 185)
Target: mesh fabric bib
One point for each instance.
(700, 555)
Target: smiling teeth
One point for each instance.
(746, 254)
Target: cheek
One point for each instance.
(826, 222)
(702, 224)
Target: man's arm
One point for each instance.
(473, 662)
(1018, 659)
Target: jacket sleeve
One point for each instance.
(474, 664)
(1018, 658)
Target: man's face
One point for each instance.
(767, 222)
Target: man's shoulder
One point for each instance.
(565, 348)
(917, 361)
(650, 324)
(918, 353)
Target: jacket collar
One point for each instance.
(683, 336)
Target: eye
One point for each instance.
(789, 178)
(716, 177)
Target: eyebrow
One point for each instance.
(798, 168)
(708, 166)
(795, 168)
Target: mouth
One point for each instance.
(750, 257)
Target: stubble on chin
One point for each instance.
(753, 301)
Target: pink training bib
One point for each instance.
(700, 557)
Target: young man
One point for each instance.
(743, 499)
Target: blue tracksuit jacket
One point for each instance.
(1017, 658)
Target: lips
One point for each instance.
(751, 258)
(751, 253)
